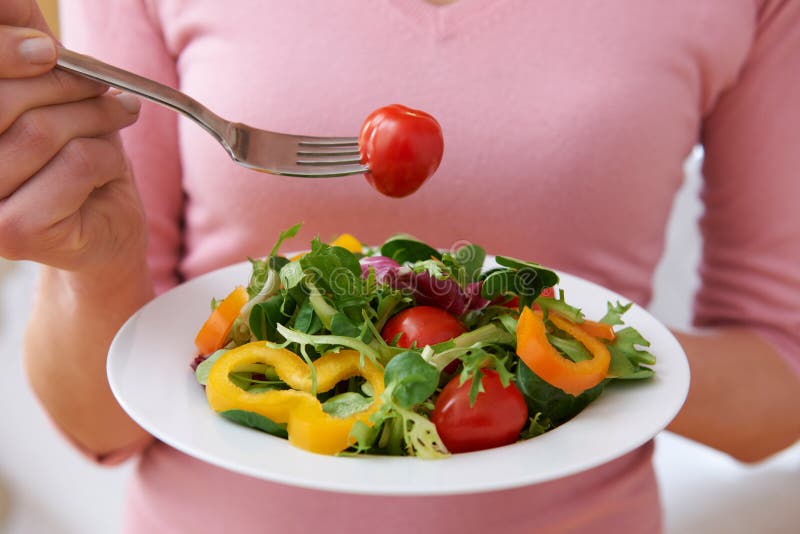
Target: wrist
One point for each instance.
(124, 279)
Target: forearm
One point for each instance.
(744, 399)
(74, 319)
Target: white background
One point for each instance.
(46, 487)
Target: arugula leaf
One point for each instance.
(474, 360)
(435, 268)
(559, 306)
(627, 359)
(286, 234)
(366, 435)
(538, 426)
(623, 368)
(421, 436)
(409, 381)
(257, 421)
(614, 314)
(626, 340)
(321, 342)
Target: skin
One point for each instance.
(68, 202)
(743, 397)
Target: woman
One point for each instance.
(566, 124)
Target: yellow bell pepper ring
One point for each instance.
(308, 426)
(348, 242)
(543, 359)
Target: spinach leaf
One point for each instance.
(337, 273)
(201, 373)
(521, 278)
(554, 404)
(266, 316)
(257, 421)
(307, 321)
(465, 263)
(410, 379)
(548, 277)
(404, 248)
(346, 404)
(341, 325)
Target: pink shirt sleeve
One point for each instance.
(151, 143)
(750, 268)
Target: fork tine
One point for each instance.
(330, 160)
(327, 141)
(332, 171)
(324, 151)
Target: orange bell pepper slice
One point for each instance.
(308, 426)
(593, 328)
(543, 359)
(214, 331)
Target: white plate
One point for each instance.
(149, 373)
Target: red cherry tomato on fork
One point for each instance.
(402, 147)
(423, 325)
(496, 418)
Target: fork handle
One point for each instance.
(94, 69)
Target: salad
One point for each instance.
(407, 350)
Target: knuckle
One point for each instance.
(96, 160)
(11, 238)
(78, 157)
(33, 131)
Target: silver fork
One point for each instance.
(262, 150)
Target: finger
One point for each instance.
(25, 52)
(41, 221)
(24, 13)
(39, 134)
(54, 87)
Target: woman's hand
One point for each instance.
(743, 397)
(67, 198)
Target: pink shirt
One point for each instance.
(566, 124)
